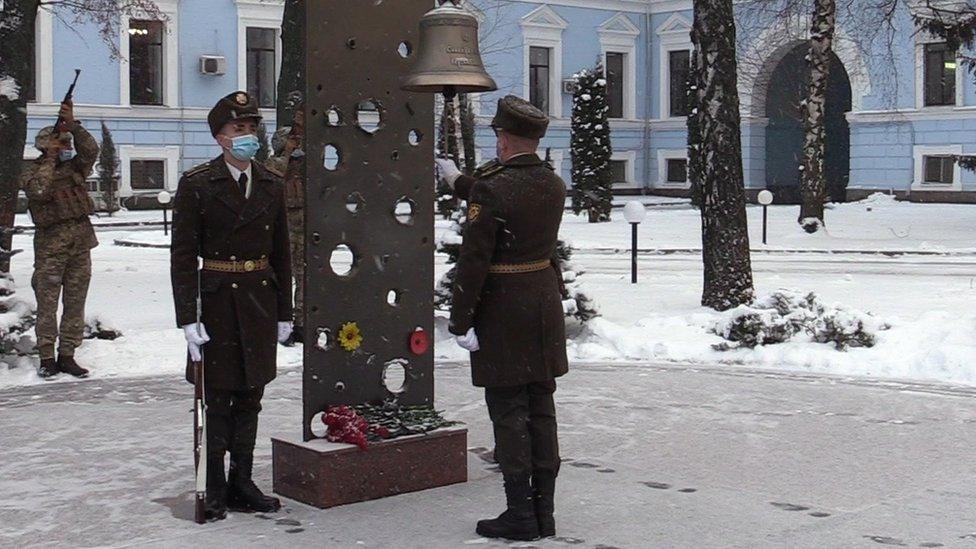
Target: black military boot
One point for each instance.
(297, 336)
(242, 494)
(216, 489)
(543, 492)
(68, 365)
(518, 522)
(48, 368)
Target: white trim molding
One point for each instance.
(630, 169)
(170, 154)
(630, 6)
(31, 153)
(919, 152)
(673, 35)
(171, 53)
(556, 156)
(922, 40)
(265, 14)
(619, 35)
(663, 155)
(44, 56)
(544, 28)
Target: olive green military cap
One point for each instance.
(236, 106)
(519, 117)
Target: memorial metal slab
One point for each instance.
(369, 199)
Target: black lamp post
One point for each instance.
(765, 198)
(164, 199)
(634, 213)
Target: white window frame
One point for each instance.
(663, 155)
(919, 152)
(673, 35)
(171, 53)
(544, 28)
(44, 56)
(630, 169)
(920, 43)
(619, 35)
(170, 154)
(31, 152)
(265, 14)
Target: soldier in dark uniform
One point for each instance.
(507, 310)
(231, 212)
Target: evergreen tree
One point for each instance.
(108, 166)
(264, 151)
(717, 158)
(576, 304)
(467, 134)
(590, 147)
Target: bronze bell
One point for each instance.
(448, 58)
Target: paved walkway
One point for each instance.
(656, 456)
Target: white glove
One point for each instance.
(196, 337)
(448, 170)
(284, 330)
(468, 341)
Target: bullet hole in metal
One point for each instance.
(351, 43)
(403, 211)
(395, 375)
(317, 426)
(355, 202)
(415, 137)
(342, 260)
(333, 117)
(393, 298)
(369, 116)
(405, 49)
(323, 339)
(332, 157)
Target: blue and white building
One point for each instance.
(895, 117)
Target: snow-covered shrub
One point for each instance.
(780, 316)
(98, 328)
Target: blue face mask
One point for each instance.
(245, 147)
(66, 154)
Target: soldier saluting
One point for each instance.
(231, 213)
(507, 310)
(57, 197)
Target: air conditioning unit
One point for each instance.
(213, 64)
(569, 86)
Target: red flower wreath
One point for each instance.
(345, 425)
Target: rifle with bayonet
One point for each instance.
(199, 426)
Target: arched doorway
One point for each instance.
(784, 134)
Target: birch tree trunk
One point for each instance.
(725, 238)
(292, 76)
(16, 50)
(813, 186)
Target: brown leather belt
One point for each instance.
(518, 268)
(247, 266)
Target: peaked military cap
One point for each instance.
(519, 117)
(236, 106)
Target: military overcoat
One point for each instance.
(213, 220)
(514, 213)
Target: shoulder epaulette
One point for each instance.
(273, 170)
(197, 170)
(489, 168)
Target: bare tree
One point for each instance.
(717, 159)
(17, 28)
(813, 184)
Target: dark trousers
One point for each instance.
(232, 421)
(524, 420)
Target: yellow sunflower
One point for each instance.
(350, 337)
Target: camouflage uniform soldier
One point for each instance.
(59, 205)
(507, 311)
(289, 159)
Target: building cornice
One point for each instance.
(630, 6)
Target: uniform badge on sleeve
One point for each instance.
(474, 210)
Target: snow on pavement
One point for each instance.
(655, 456)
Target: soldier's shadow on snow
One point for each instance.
(181, 506)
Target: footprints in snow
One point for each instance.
(284, 522)
(793, 508)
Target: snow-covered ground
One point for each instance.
(926, 297)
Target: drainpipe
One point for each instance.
(646, 145)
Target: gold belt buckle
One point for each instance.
(249, 266)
